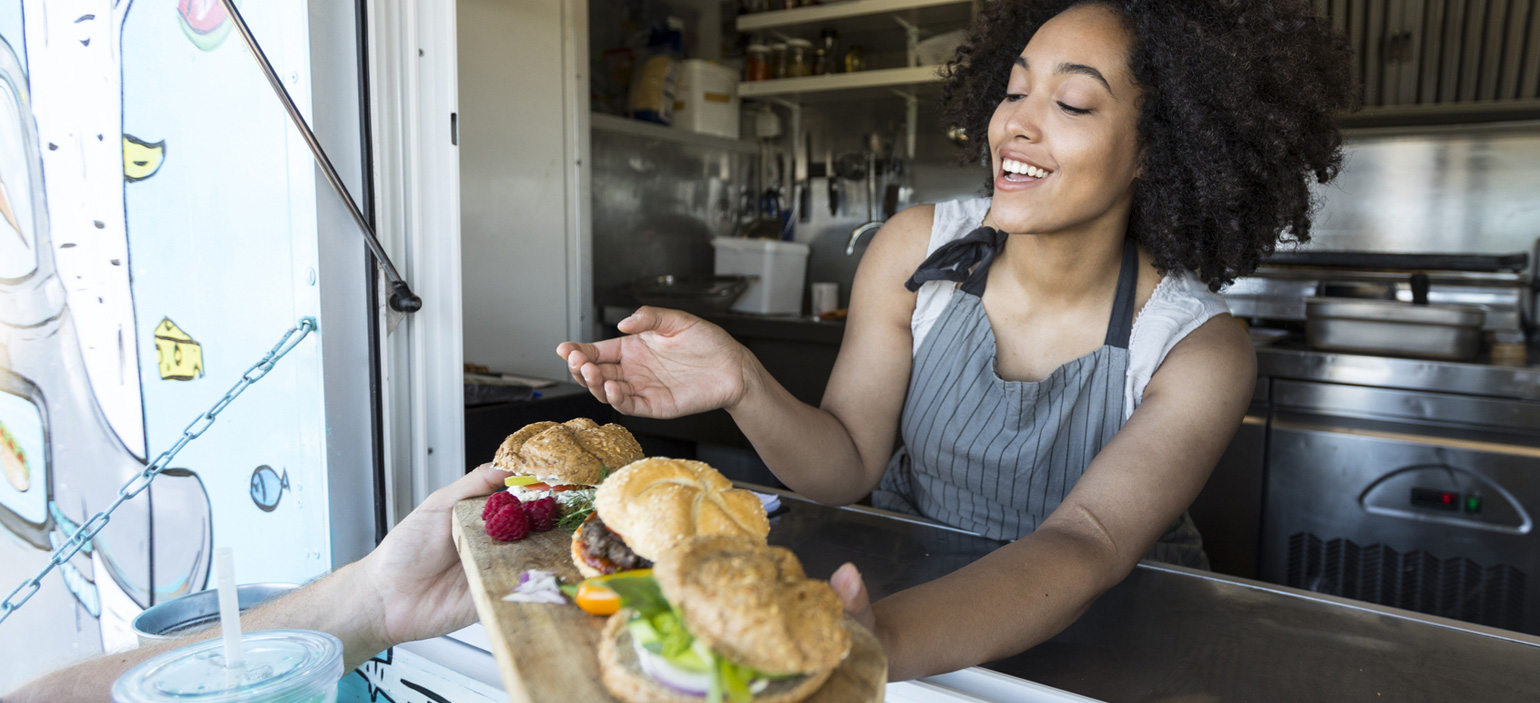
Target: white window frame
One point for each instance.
(413, 94)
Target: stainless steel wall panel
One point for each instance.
(1529, 75)
(1492, 49)
(1513, 48)
(1410, 27)
(1470, 50)
(1357, 11)
(1453, 43)
(657, 204)
(1432, 31)
(1447, 192)
(1374, 53)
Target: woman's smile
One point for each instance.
(1018, 173)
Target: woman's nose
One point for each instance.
(1024, 119)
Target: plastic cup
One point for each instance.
(281, 666)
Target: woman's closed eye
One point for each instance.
(1071, 109)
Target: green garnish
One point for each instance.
(574, 519)
(639, 593)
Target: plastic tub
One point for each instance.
(777, 271)
(708, 99)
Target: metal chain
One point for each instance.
(137, 484)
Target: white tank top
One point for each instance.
(1180, 304)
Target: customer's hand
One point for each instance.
(668, 364)
(851, 588)
(415, 573)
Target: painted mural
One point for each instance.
(157, 236)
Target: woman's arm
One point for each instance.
(837, 453)
(1029, 590)
(670, 364)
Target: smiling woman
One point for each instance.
(1236, 111)
(1050, 360)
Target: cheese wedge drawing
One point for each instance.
(181, 358)
(141, 159)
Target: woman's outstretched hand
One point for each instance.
(668, 364)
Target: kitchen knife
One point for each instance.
(833, 182)
(804, 189)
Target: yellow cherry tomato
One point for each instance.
(595, 599)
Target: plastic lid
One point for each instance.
(799, 42)
(758, 48)
(281, 666)
(780, 45)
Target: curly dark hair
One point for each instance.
(1241, 101)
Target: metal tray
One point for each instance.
(703, 293)
(1392, 328)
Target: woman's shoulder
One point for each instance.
(1180, 306)
(916, 231)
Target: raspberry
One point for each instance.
(542, 513)
(509, 524)
(496, 501)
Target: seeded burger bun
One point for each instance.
(749, 603)
(576, 451)
(653, 504)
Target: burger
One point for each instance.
(722, 618)
(652, 504)
(564, 460)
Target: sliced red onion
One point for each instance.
(687, 682)
(536, 586)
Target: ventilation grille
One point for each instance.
(1441, 52)
(1456, 588)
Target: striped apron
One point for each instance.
(993, 456)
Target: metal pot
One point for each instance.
(180, 616)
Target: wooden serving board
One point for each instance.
(550, 652)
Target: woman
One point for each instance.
(1053, 357)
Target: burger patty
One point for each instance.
(604, 547)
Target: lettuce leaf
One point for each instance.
(639, 593)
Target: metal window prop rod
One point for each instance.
(401, 296)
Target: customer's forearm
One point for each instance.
(335, 604)
(806, 447)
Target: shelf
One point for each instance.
(648, 130)
(842, 86)
(923, 13)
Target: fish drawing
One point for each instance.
(267, 487)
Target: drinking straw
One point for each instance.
(229, 607)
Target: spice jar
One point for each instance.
(826, 58)
(799, 58)
(756, 63)
(855, 59)
(778, 60)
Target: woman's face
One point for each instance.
(1064, 141)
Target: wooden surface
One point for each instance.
(548, 652)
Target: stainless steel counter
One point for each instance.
(1477, 378)
(1169, 634)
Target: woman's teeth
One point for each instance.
(1013, 167)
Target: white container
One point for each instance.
(707, 99)
(778, 270)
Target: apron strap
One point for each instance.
(1122, 323)
(965, 260)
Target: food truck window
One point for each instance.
(162, 225)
